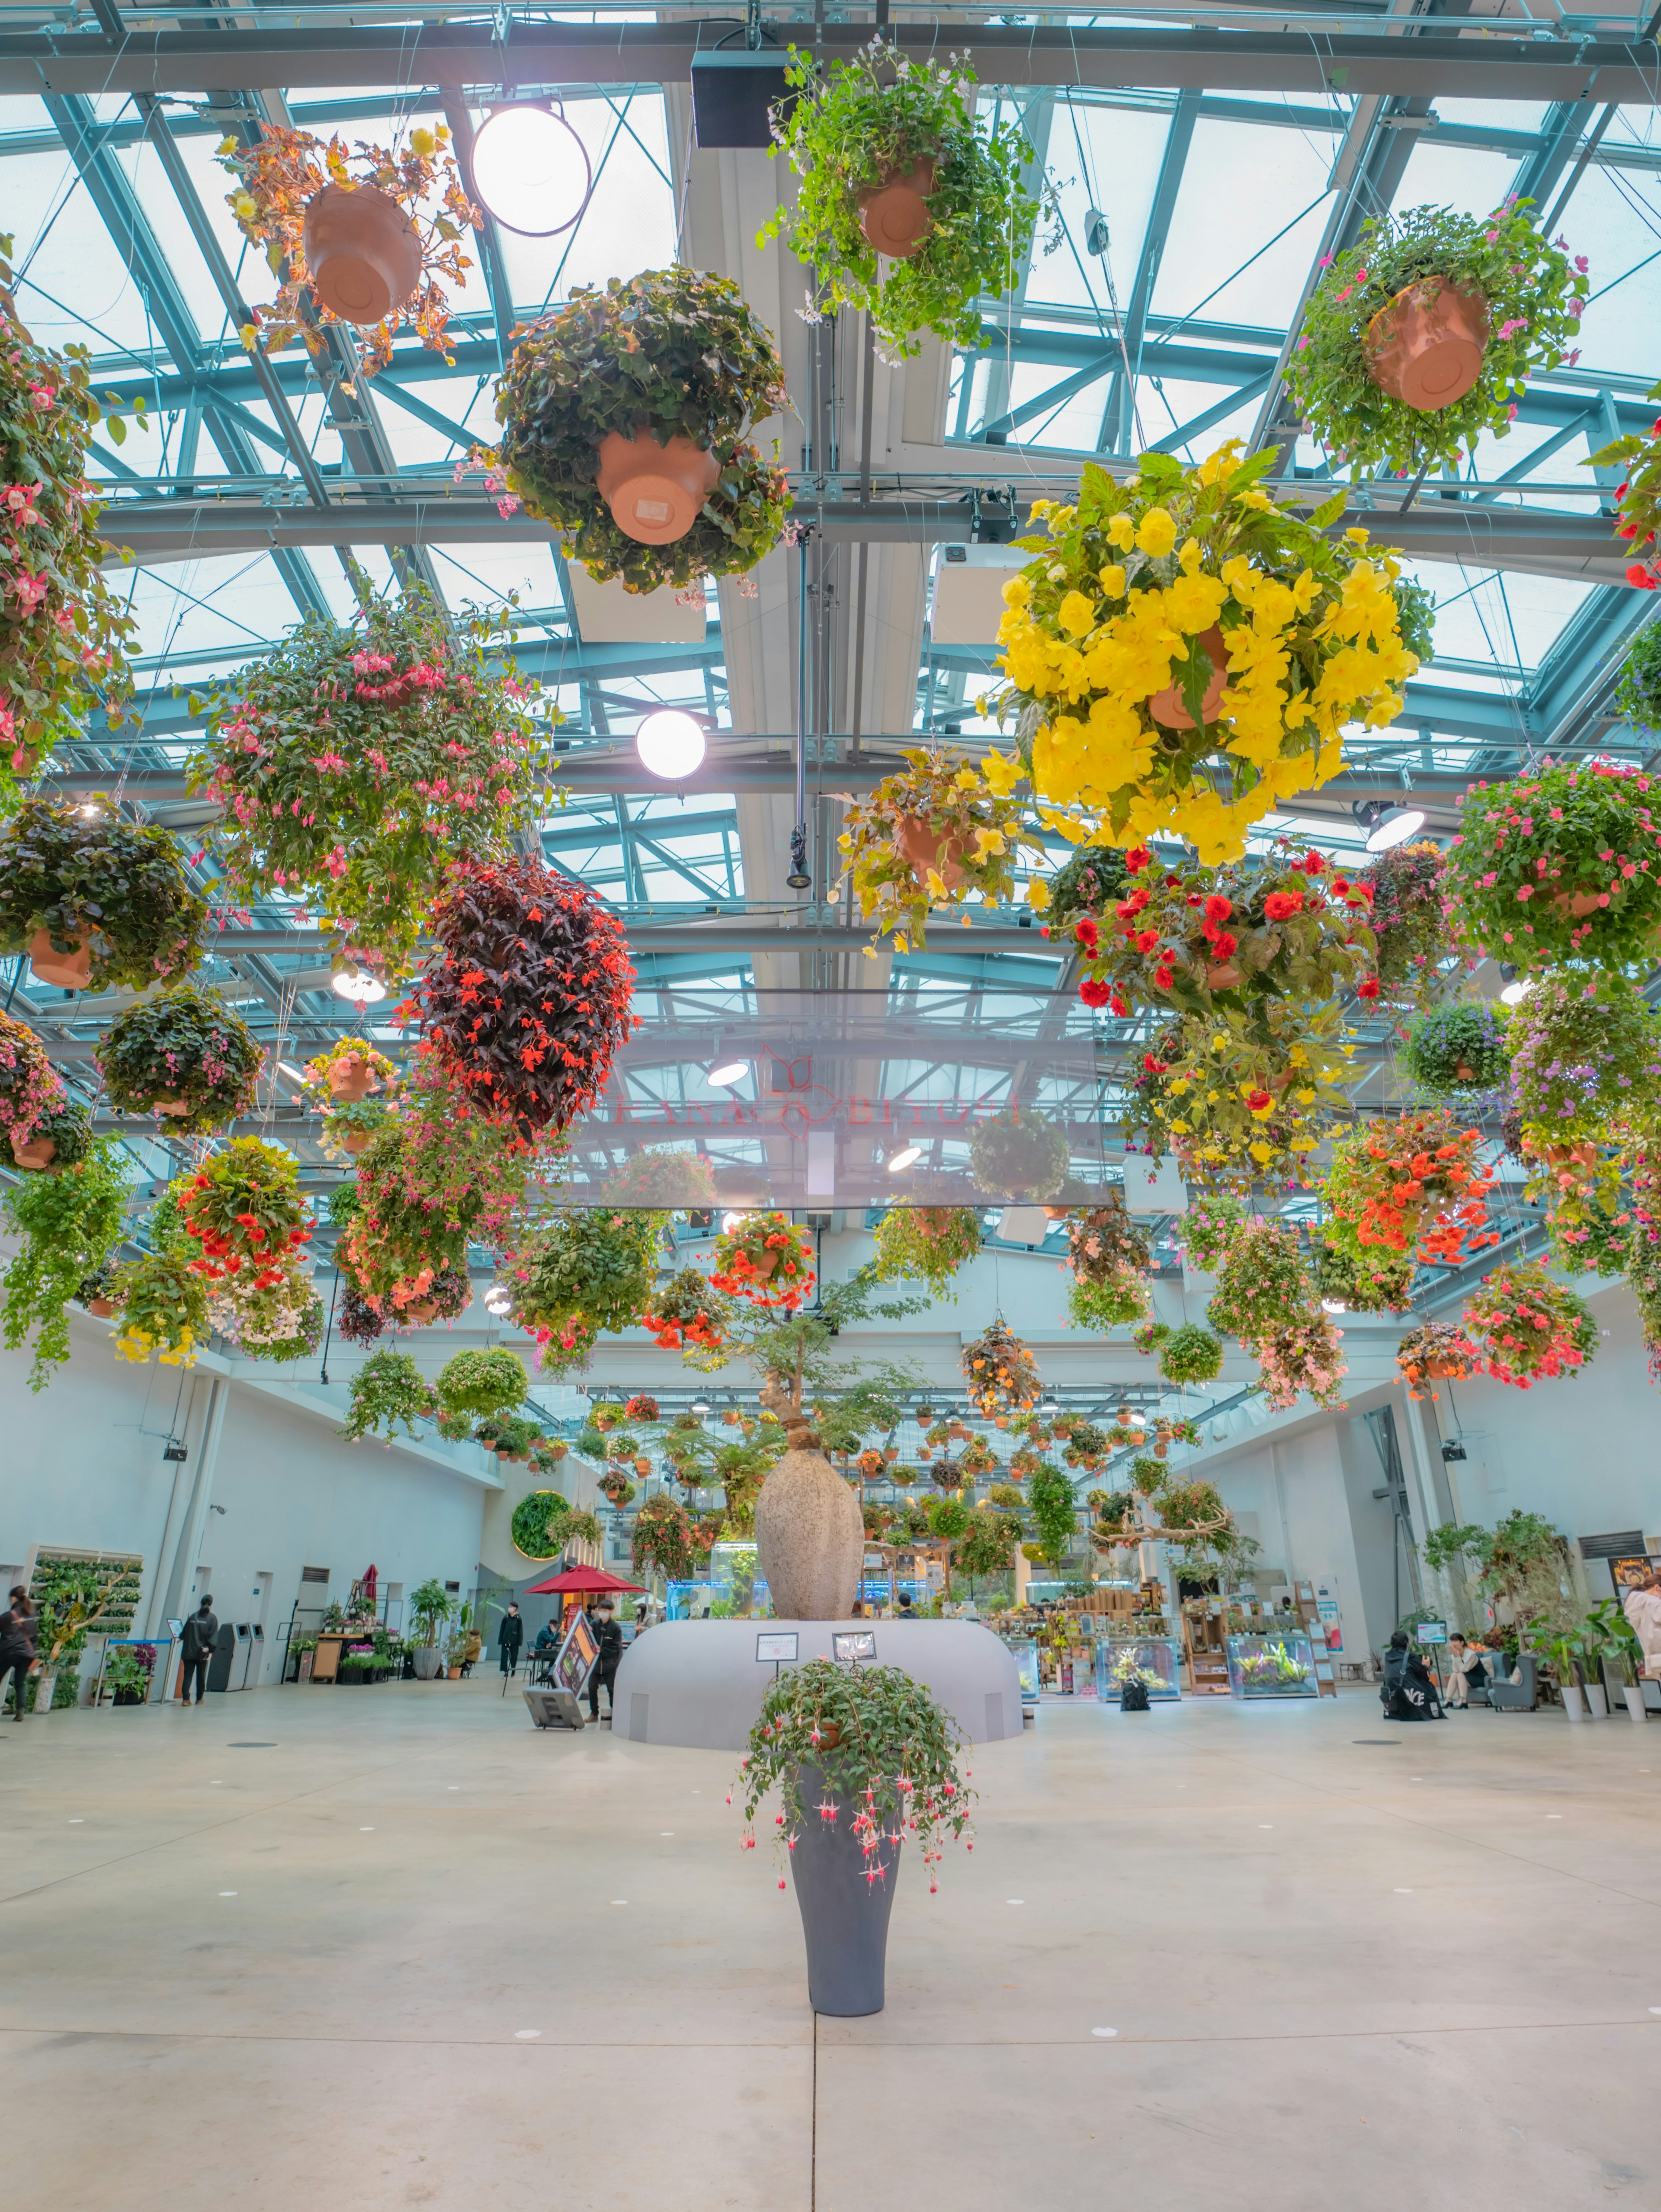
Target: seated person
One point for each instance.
(1407, 1693)
(1466, 1670)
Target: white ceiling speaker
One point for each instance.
(531, 170)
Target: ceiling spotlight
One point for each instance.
(730, 1071)
(363, 990)
(729, 1222)
(531, 170)
(670, 743)
(909, 1158)
(1515, 988)
(90, 809)
(700, 1404)
(498, 1299)
(295, 1074)
(1387, 824)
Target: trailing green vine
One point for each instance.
(70, 1224)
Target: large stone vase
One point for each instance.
(844, 1915)
(810, 1537)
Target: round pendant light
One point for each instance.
(357, 985)
(531, 170)
(670, 743)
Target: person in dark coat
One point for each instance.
(1407, 1693)
(609, 1637)
(20, 1630)
(509, 1637)
(201, 1634)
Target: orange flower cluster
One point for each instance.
(766, 1259)
(1384, 1187)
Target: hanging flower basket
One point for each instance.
(927, 1244)
(356, 764)
(162, 1303)
(1262, 1285)
(1437, 1351)
(1585, 1061)
(62, 1137)
(1423, 335)
(1129, 584)
(351, 1071)
(1303, 1357)
(1017, 1154)
(1561, 865)
(1455, 1050)
(627, 413)
(534, 1522)
(67, 634)
(1236, 1110)
(482, 1382)
(932, 837)
(1413, 1185)
(681, 1180)
(95, 902)
(390, 1395)
(69, 1225)
(581, 1272)
(1527, 1327)
(1000, 1373)
(1191, 1354)
(666, 1539)
(29, 1086)
(183, 1053)
(1407, 888)
(244, 1215)
(895, 162)
(766, 1259)
(527, 1000)
(1293, 928)
(364, 236)
(685, 1312)
(1376, 1280)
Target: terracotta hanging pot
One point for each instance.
(352, 1080)
(765, 1266)
(37, 1154)
(421, 1309)
(104, 1308)
(894, 215)
(176, 1107)
(357, 1140)
(643, 1467)
(1166, 707)
(1056, 1212)
(926, 849)
(1221, 978)
(69, 971)
(1445, 1370)
(655, 492)
(1425, 348)
(363, 252)
(1578, 903)
(1466, 1072)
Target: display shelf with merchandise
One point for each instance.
(1277, 1665)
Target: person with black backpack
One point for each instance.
(201, 1635)
(1407, 1693)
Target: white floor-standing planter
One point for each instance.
(1598, 1704)
(1574, 1704)
(1633, 1694)
(45, 1688)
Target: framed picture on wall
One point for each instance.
(1629, 1572)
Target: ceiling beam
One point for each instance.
(499, 49)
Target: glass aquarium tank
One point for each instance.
(1025, 1652)
(1278, 1665)
(1155, 1661)
(739, 1589)
(689, 1600)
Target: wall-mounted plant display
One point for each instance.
(1561, 865)
(934, 835)
(183, 1053)
(1413, 1185)
(1407, 885)
(362, 238)
(927, 1243)
(1451, 1050)
(1183, 654)
(356, 763)
(666, 1178)
(896, 167)
(482, 1383)
(582, 1272)
(627, 415)
(766, 1259)
(535, 1517)
(1017, 1154)
(94, 901)
(69, 1224)
(389, 1394)
(1424, 334)
(1528, 1326)
(66, 635)
(527, 1000)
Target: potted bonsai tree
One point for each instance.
(69, 1224)
(931, 837)
(357, 762)
(1424, 334)
(896, 167)
(67, 634)
(96, 900)
(184, 1053)
(536, 1046)
(626, 413)
(362, 237)
(862, 1758)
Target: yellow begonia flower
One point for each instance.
(1121, 532)
(1157, 532)
(1112, 580)
(1194, 603)
(1261, 1153)
(988, 841)
(1038, 893)
(936, 884)
(1017, 593)
(1190, 558)
(1002, 772)
(1356, 536)
(1076, 614)
(966, 779)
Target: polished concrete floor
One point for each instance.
(394, 1947)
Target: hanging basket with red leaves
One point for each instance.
(766, 1259)
(526, 1001)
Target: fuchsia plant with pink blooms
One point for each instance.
(355, 765)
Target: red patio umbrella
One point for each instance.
(581, 1578)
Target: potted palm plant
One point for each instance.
(862, 1758)
(94, 901)
(184, 1053)
(627, 412)
(896, 167)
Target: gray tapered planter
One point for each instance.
(844, 1918)
(425, 1658)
